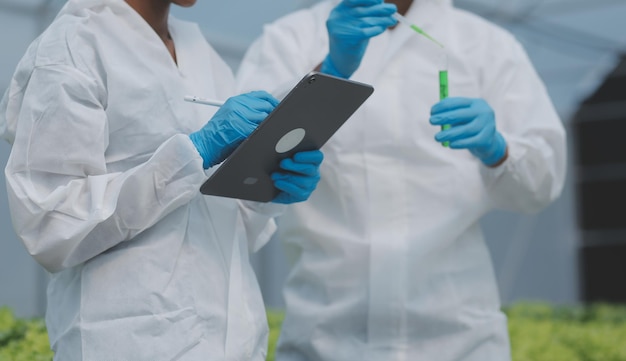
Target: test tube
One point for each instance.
(443, 86)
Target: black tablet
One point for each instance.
(304, 120)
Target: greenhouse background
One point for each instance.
(576, 46)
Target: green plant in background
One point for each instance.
(543, 332)
(539, 332)
(23, 340)
(10, 327)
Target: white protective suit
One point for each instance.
(389, 262)
(103, 184)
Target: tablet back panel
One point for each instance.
(304, 120)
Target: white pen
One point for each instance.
(205, 101)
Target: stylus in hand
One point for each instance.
(205, 101)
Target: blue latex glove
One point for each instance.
(231, 124)
(473, 127)
(300, 177)
(350, 26)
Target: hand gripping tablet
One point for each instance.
(304, 120)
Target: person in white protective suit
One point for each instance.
(103, 184)
(388, 258)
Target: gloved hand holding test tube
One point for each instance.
(443, 67)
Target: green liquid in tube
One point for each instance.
(443, 94)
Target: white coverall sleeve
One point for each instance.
(259, 221)
(66, 207)
(534, 173)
